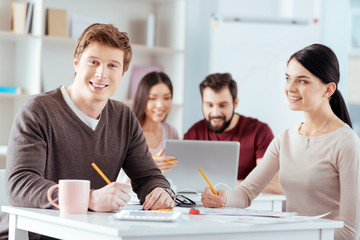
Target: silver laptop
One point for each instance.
(219, 161)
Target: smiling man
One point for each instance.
(221, 123)
(58, 134)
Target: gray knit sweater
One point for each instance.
(48, 142)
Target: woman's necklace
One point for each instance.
(319, 130)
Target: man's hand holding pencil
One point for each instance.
(115, 195)
(110, 197)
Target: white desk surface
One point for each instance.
(264, 202)
(269, 202)
(99, 226)
(263, 197)
(269, 197)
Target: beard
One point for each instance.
(219, 129)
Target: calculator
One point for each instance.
(146, 215)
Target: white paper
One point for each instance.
(243, 212)
(277, 220)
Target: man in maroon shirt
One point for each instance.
(221, 123)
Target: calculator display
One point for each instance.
(143, 215)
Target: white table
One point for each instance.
(269, 202)
(94, 226)
(263, 202)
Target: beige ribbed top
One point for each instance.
(324, 178)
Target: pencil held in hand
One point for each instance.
(162, 210)
(211, 187)
(169, 161)
(101, 173)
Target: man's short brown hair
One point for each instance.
(218, 81)
(106, 34)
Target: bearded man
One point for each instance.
(221, 123)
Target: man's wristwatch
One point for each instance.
(171, 193)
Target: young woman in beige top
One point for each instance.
(317, 160)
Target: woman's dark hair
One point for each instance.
(143, 90)
(321, 61)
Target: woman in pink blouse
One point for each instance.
(151, 106)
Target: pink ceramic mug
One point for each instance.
(73, 196)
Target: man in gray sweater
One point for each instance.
(58, 134)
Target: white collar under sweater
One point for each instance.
(90, 122)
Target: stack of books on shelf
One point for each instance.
(21, 17)
(56, 22)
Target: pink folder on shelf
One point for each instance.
(138, 72)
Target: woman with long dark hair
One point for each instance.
(151, 106)
(318, 160)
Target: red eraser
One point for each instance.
(194, 211)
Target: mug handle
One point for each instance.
(50, 191)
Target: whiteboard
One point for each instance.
(256, 54)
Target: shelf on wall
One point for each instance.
(135, 47)
(10, 36)
(155, 49)
(58, 39)
(128, 102)
(36, 57)
(12, 95)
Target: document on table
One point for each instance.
(272, 220)
(243, 212)
(253, 216)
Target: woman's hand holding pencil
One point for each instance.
(164, 163)
(211, 198)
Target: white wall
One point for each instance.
(256, 54)
(197, 56)
(336, 34)
(334, 22)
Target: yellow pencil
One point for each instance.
(169, 161)
(101, 173)
(162, 210)
(211, 187)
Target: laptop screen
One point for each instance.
(218, 159)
